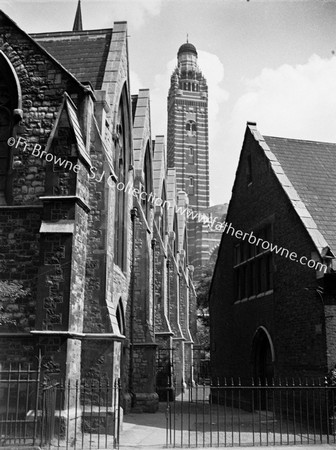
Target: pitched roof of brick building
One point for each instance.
(83, 53)
(306, 171)
(311, 168)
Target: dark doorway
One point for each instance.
(263, 364)
(263, 356)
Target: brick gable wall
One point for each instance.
(292, 314)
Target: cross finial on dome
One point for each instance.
(78, 24)
(187, 38)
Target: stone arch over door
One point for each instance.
(10, 115)
(263, 355)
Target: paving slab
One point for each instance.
(148, 431)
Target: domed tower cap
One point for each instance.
(187, 48)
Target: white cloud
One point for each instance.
(136, 11)
(158, 96)
(135, 82)
(213, 70)
(290, 101)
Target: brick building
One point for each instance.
(273, 313)
(79, 238)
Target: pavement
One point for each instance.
(149, 431)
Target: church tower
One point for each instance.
(187, 140)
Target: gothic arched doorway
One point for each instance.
(263, 356)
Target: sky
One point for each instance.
(267, 61)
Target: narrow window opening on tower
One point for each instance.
(191, 187)
(191, 155)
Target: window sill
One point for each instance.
(253, 297)
(252, 258)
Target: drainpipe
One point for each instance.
(134, 215)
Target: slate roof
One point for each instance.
(83, 53)
(311, 168)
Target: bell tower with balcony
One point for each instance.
(187, 146)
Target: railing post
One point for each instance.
(119, 397)
(38, 380)
(167, 412)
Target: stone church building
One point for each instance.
(89, 234)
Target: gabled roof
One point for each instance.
(83, 53)
(41, 48)
(71, 110)
(306, 171)
(159, 165)
(141, 126)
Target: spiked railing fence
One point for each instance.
(51, 413)
(281, 412)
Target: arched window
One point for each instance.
(175, 229)
(164, 218)
(191, 186)
(147, 187)
(185, 248)
(9, 102)
(120, 317)
(191, 128)
(121, 162)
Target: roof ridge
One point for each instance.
(299, 140)
(71, 33)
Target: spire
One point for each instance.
(78, 25)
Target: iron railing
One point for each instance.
(51, 413)
(232, 414)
